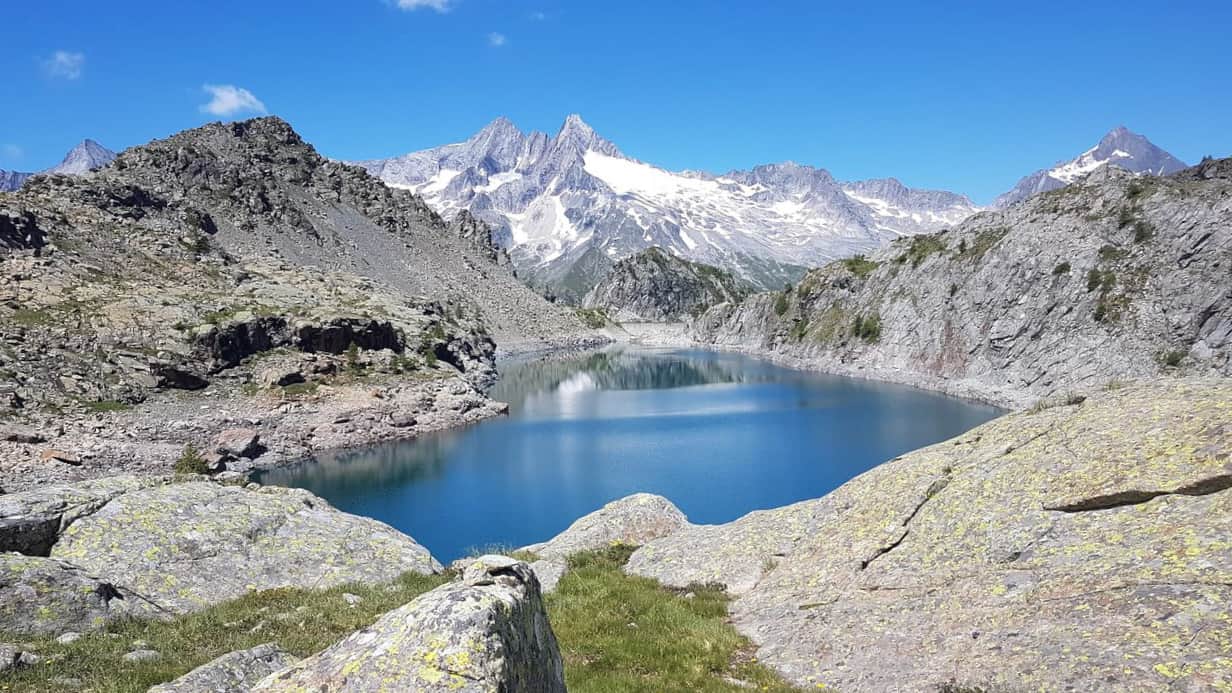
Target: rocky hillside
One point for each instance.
(656, 286)
(1078, 547)
(234, 261)
(1118, 276)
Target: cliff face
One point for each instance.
(1114, 277)
(656, 286)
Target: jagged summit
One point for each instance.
(567, 206)
(1120, 147)
(85, 157)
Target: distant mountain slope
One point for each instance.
(83, 158)
(1115, 277)
(655, 286)
(569, 206)
(1120, 147)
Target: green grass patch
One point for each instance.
(867, 328)
(305, 389)
(301, 621)
(594, 318)
(981, 244)
(191, 461)
(1062, 268)
(621, 633)
(860, 266)
(921, 247)
(106, 406)
(781, 304)
(30, 317)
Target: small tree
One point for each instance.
(191, 461)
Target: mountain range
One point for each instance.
(85, 157)
(568, 206)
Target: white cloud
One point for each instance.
(65, 64)
(438, 5)
(496, 40)
(229, 99)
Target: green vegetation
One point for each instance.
(860, 266)
(301, 621)
(191, 461)
(352, 359)
(594, 318)
(1062, 268)
(983, 242)
(1137, 188)
(30, 317)
(106, 406)
(781, 304)
(1171, 359)
(1103, 280)
(921, 247)
(867, 328)
(1143, 231)
(619, 632)
(300, 389)
(428, 343)
(1111, 253)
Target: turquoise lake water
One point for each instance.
(719, 434)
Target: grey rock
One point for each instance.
(31, 521)
(1009, 306)
(1074, 547)
(655, 286)
(42, 596)
(234, 672)
(487, 631)
(550, 571)
(68, 638)
(238, 442)
(632, 520)
(142, 656)
(21, 434)
(194, 544)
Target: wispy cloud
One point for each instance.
(65, 64)
(438, 5)
(496, 39)
(228, 100)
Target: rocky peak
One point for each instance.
(83, 158)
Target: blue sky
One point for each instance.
(960, 96)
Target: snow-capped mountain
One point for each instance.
(83, 158)
(1120, 147)
(567, 207)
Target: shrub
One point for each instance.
(1171, 359)
(1111, 253)
(921, 247)
(1143, 231)
(191, 461)
(781, 304)
(1060, 269)
(867, 328)
(1125, 217)
(860, 266)
(352, 359)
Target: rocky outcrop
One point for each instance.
(1075, 547)
(234, 672)
(43, 596)
(633, 520)
(656, 286)
(31, 522)
(487, 631)
(1010, 306)
(190, 545)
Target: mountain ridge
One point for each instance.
(87, 156)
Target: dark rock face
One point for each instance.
(1116, 277)
(655, 286)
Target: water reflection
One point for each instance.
(720, 434)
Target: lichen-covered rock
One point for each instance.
(234, 672)
(194, 544)
(634, 519)
(1080, 547)
(487, 631)
(31, 521)
(42, 596)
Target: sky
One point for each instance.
(966, 97)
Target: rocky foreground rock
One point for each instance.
(1115, 277)
(486, 632)
(1078, 547)
(128, 547)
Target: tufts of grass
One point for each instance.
(594, 318)
(1062, 268)
(867, 328)
(301, 621)
(1171, 359)
(191, 461)
(921, 247)
(860, 266)
(781, 304)
(106, 406)
(619, 632)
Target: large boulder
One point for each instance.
(31, 521)
(234, 672)
(633, 520)
(42, 596)
(487, 631)
(194, 544)
(1079, 547)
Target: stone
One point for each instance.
(234, 672)
(68, 638)
(1062, 548)
(31, 521)
(43, 597)
(549, 571)
(486, 631)
(142, 656)
(53, 455)
(21, 434)
(238, 442)
(194, 544)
